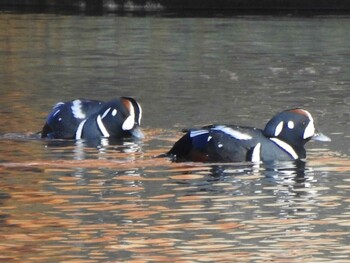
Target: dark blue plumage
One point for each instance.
(282, 139)
(63, 120)
(87, 119)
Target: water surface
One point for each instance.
(68, 201)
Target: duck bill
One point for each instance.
(137, 133)
(320, 137)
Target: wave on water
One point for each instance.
(20, 136)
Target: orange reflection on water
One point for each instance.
(145, 209)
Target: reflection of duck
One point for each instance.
(282, 139)
(100, 148)
(274, 170)
(89, 119)
(282, 188)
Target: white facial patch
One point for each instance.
(279, 128)
(128, 123)
(76, 110)
(114, 112)
(233, 133)
(309, 130)
(291, 125)
(256, 153)
(101, 126)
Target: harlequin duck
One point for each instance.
(283, 139)
(87, 119)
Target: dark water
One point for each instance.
(68, 202)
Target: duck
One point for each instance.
(283, 139)
(91, 119)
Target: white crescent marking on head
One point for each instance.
(279, 128)
(310, 128)
(128, 124)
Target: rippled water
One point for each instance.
(70, 202)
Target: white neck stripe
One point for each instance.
(101, 126)
(285, 146)
(256, 153)
(79, 130)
